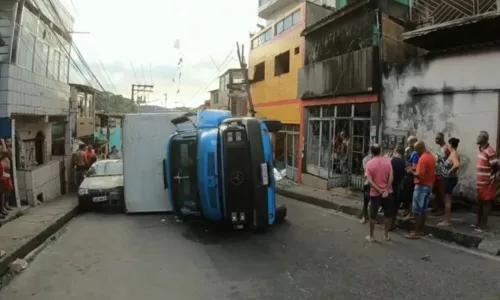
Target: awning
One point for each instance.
(477, 29)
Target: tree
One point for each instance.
(111, 103)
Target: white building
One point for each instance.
(34, 93)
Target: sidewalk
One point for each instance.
(351, 203)
(24, 234)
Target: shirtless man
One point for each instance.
(80, 163)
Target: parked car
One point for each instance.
(102, 186)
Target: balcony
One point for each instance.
(450, 24)
(270, 9)
(432, 12)
(7, 13)
(350, 73)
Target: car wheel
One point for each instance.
(83, 206)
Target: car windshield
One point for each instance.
(106, 168)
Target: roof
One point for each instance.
(83, 88)
(346, 10)
(477, 29)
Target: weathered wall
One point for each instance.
(341, 37)
(316, 12)
(454, 94)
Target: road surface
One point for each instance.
(316, 254)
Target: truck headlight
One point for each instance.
(82, 192)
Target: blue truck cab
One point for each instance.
(221, 169)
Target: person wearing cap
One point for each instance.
(487, 167)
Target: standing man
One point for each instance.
(438, 189)
(425, 175)
(411, 158)
(487, 168)
(366, 190)
(379, 175)
(399, 173)
(80, 164)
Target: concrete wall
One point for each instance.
(27, 129)
(316, 12)
(454, 94)
(25, 92)
(43, 180)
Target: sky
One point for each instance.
(133, 41)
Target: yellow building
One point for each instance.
(276, 55)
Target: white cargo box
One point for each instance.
(144, 148)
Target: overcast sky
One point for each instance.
(143, 33)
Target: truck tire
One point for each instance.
(281, 212)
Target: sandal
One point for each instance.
(412, 236)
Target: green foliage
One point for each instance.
(111, 103)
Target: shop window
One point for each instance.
(325, 144)
(314, 112)
(313, 142)
(282, 64)
(259, 72)
(344, 110)
(362, 110)
(328, 111)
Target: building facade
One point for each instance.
(340, 88)
(451, 89)
(214, 99)
(276, 55)
(232, 92)
(35, 94)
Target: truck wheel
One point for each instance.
(281, 212)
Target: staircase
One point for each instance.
(431, 12)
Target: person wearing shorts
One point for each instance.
(378, 173)
(425, 175)
(487, 167)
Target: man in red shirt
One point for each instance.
(425, 175)
(486, 169)
(378, 172)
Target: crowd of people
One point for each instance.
(86, 155)
(406, 179)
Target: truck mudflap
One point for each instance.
(259, 171)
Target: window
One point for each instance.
(41, 56)
(262, 38)
(288, 22)
(63, 68)
(259, 72)
(106, 168)
(222, 86)
(282, 64)
(25, 50)
(296, 50)
(216, 98)
(30, 21)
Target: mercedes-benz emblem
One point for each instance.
(236, 178)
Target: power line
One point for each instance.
(54, 8)
(109, 78)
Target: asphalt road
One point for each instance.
(316, 254)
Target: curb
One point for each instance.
(469, 241)
(36, 241)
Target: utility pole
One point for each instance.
(138, 88)
(246, 81)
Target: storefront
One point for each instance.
(286, 149)
(337, 138)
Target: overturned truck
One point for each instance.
(221, 169)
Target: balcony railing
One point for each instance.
(350, 73)
(430, 12)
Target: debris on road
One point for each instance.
(18, 265)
